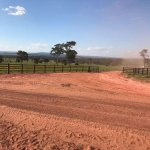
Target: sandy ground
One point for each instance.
(74, 111)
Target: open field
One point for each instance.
(74, 111)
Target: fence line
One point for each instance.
(136, 70)
(25, 68)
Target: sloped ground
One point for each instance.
(74, 111)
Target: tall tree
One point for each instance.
(57, 51)
(68, 45)
(71, 55)
(1, 59)
(21, 56)
(144, 54)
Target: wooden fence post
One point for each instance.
(44, 68)
(76, 68)
(89, 69)
(134, 70)
(34, 68)
(54, 68)
(123, 69)
(142, 71)
(147, 71)
(82, 68)
(70, 69)
(8, 68)
(62, 68)
(21, 68)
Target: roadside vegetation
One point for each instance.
(139, 77)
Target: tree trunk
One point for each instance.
(57, 60)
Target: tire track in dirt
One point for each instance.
(127, 115)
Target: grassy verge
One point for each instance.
(139, 77)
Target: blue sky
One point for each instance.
(113, 28)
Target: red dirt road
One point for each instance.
(74, 111)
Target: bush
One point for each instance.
(1, 59)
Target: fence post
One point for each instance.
(21, 68)
(54, 68)
(98, 69)
(138, 71)
(89, 70)
(82, 68)
(44, 68)
(147, 71)
(70, 69)
(123, 69)
(8, 68)
(135, 70)
(142, 71)
(34, 68)
(76, 68)
(62, 69)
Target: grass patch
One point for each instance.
(139, 77)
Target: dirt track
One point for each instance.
(74, 111)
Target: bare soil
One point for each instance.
(74, 111)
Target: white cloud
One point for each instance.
(1, 46)
(37, 46)
(15, 10)
(96, 48)
(107, 52)
(20, 47)
(7, 47)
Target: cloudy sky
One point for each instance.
(113, 28)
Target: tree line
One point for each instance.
(63, 53)
(56, 51)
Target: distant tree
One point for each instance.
(40, 60)
(1, 59)
(76, 63)
(46, 60)
(144, 54)
(71, 55)
(57, 51)
(21, 56)
(36, 60)
(90, 60)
